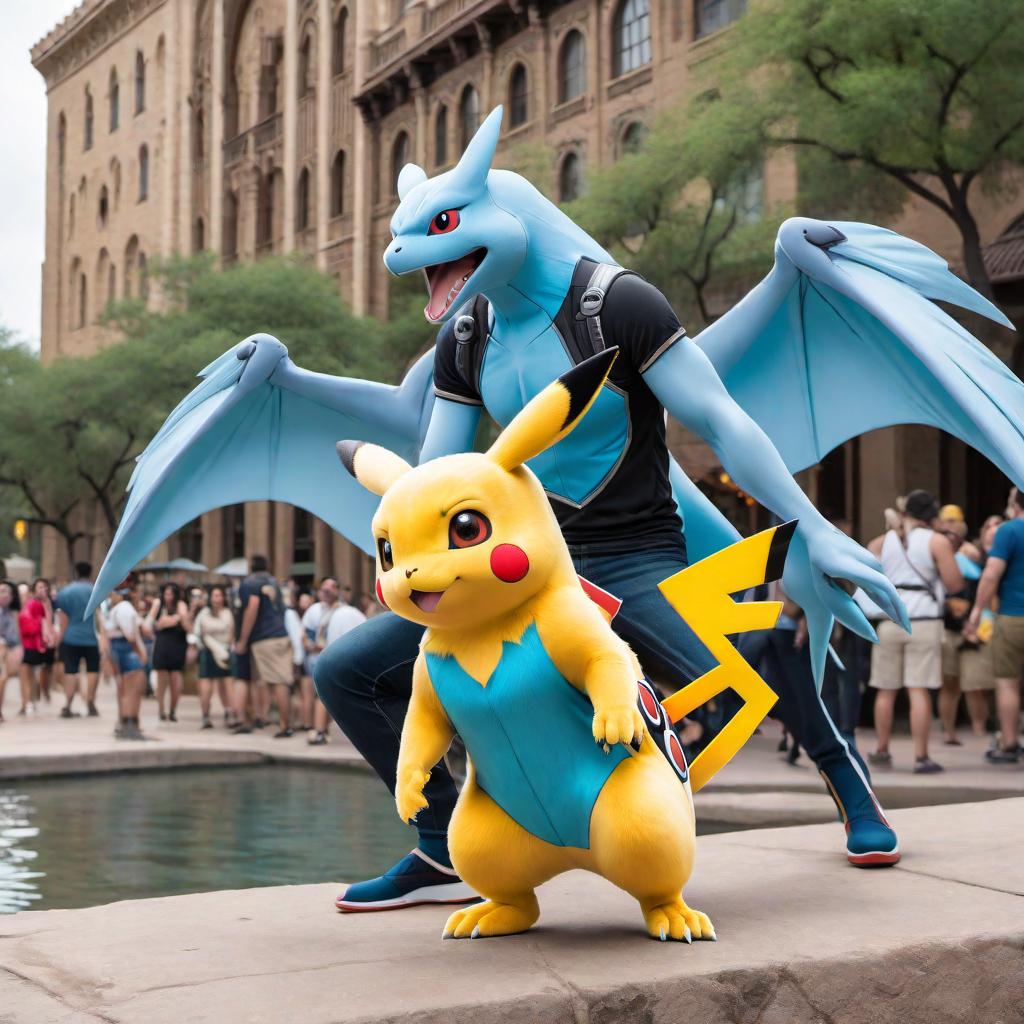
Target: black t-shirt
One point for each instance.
(635, 508)
(270, 617)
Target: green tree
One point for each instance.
(70, 430)
(685, 209)
(924, 97)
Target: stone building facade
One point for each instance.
(248, 127)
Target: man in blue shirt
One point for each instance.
(1004, 574)
(78, 639)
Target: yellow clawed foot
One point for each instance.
(484, 919)
(675, 920)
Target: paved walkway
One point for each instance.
(785, 794)
(803, 938)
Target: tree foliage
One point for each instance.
(685, 209)
(889, 98)
(70, 430)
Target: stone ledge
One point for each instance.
(802, 938)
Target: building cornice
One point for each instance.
(85, 32)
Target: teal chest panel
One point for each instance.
(578, 466)
(529, 735)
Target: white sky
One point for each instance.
(23, 162)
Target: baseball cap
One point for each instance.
(951, 514)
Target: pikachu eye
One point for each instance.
(468, 529)
(384, 553)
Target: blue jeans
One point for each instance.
(365, 677)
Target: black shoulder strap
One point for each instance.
(470, 328)
(579, 318)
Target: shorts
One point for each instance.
(32, 657)
(970, 665)
(1007, 646)
(124, 655)
(914, 661)
(74, 654)
(208, 667)
(241, 666)
(272, 660)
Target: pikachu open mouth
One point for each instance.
(426, 600)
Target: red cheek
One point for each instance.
(380, 595)
(509, 563)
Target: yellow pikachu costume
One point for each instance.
(565, 771)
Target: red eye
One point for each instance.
(467, 529)
(445, 221)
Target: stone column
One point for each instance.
(324, 101)
(186, 33)
(217, 129)
(323, 548)
(213, 538)
(257, 528)
(291, 119)
(421, 104)
(284, 527)
(172, 131)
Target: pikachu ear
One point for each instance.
(550, 415)
(374, 467)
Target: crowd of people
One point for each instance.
(251, 647)
(964, 595)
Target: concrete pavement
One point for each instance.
(802, 938)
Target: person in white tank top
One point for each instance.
(922, 565)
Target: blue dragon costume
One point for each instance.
(843, 336)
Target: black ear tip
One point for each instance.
(778, 550)
(583, 380)
(347, 453)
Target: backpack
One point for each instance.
(578, 320)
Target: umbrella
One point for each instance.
(233, 567)
(174, 565)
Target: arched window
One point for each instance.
(102, 278)
(62, 138)
(143, 277)
(631, 36)
(338, 41)
(103, 210)
(633, 137)
(87, 131)
(265, 209)
(399, 158)
(441, 137)
(83, 300)
(143, 172)
(469, 115)
(115, 174)
(199, 235)
(140, 82)
(115, 100)
(71, 218)
(305, 63)
(570, 178)
(74, 273)
(518, 97)
(572, 67)
(302, 201)
(338, 184)
(111, 283)
(230, 225)
(131, 257)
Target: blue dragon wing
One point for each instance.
(260, 428)
(845, 336)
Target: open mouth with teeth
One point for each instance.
(445, 281)
(426, 600)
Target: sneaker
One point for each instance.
(66, 712)
(131, 731)
(30, 710)
(318, 739)
(242, 729)
(415, 879)
(880, 758)
(926, 766)
(207, 724)
(283, 734)
(93, 713)
(172, 717)
(1003, 755)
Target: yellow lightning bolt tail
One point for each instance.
(701, 596)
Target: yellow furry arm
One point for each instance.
(426, 736)
(586, 651)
